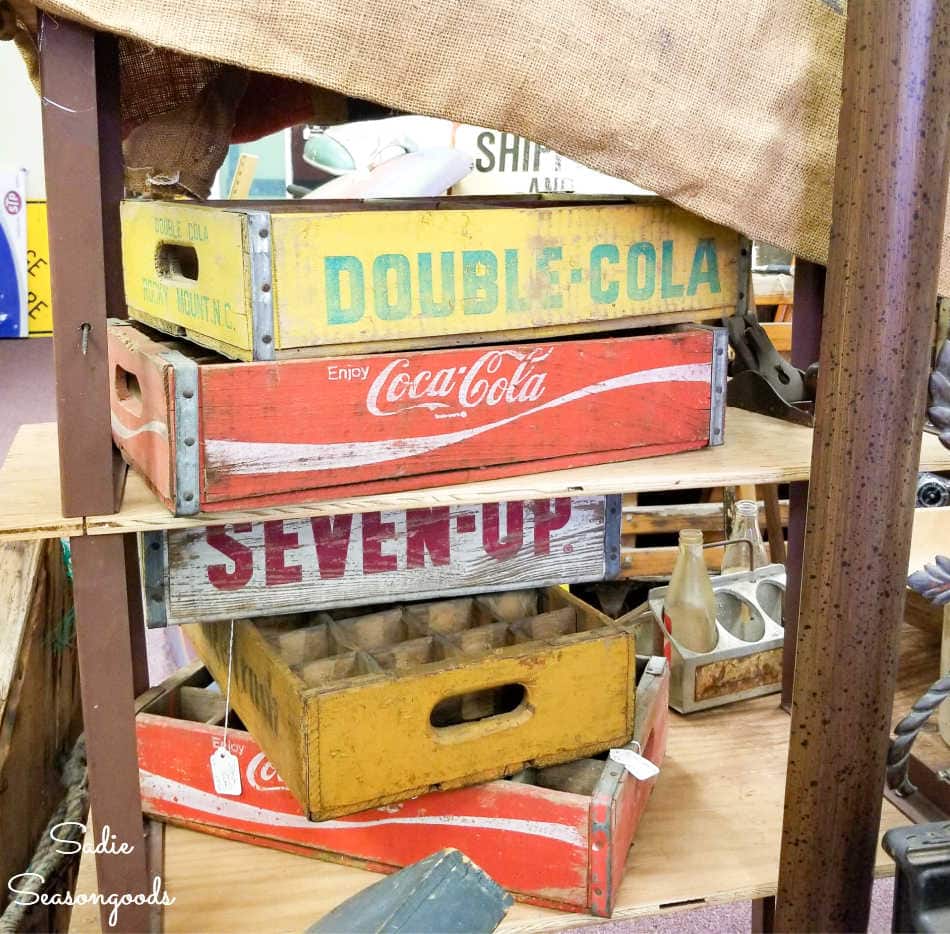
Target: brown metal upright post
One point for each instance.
(81, 130)
(889, 199)
(107, 684)
(82, 144)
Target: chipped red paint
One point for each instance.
(540, 844)
(284, 432)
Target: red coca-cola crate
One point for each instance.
(213, 435)
(558, 837)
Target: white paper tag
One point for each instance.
(225, 772)
(638, 766)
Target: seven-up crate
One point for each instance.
(212, 435)
(356, 711)
(202, 574)
(300, 278)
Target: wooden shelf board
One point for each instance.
(931, 536)
(757, 450)
(30, 505)
(711, 834)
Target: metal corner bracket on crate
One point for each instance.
(305, 565)
(187, 471)
(262, 288)
(746, 662)
(717, 388)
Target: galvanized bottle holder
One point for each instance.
(743, 664)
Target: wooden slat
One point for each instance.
(707, 517)
(39, 700)
(19, 563)
(772, 288)
(780, 334)
(659, 561)
(922, 614)
(295, 565)
(775, 522)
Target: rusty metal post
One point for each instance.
(889, 199)
(806, 343)
(763, 915)
(106, 681)
(79, 71)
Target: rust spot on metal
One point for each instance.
(738, 674)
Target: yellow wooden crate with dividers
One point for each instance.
(359, 708)
(285, 279)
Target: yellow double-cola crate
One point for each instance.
(318, 279)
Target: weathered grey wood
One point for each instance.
(222, 572)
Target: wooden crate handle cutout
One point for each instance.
(176, 261)
(128, 391)
(474, 714)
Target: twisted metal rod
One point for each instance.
(898, 756)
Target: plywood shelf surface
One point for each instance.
(931, 536)
(711, 834)
(757, 450)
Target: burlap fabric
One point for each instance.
(728, 109)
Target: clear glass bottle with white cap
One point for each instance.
(736, 556)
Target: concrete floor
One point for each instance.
(26, 386)
(27, 395)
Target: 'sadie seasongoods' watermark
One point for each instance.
(67, 835)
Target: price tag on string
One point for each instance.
(225, 768)
(637, 765)
(225, 772)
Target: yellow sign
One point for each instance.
(39, 295)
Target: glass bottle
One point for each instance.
(689, 611)
(736, 557)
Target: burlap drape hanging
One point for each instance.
(729, 110)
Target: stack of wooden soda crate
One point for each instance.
(416, 679)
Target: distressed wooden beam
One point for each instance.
(889, 199)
